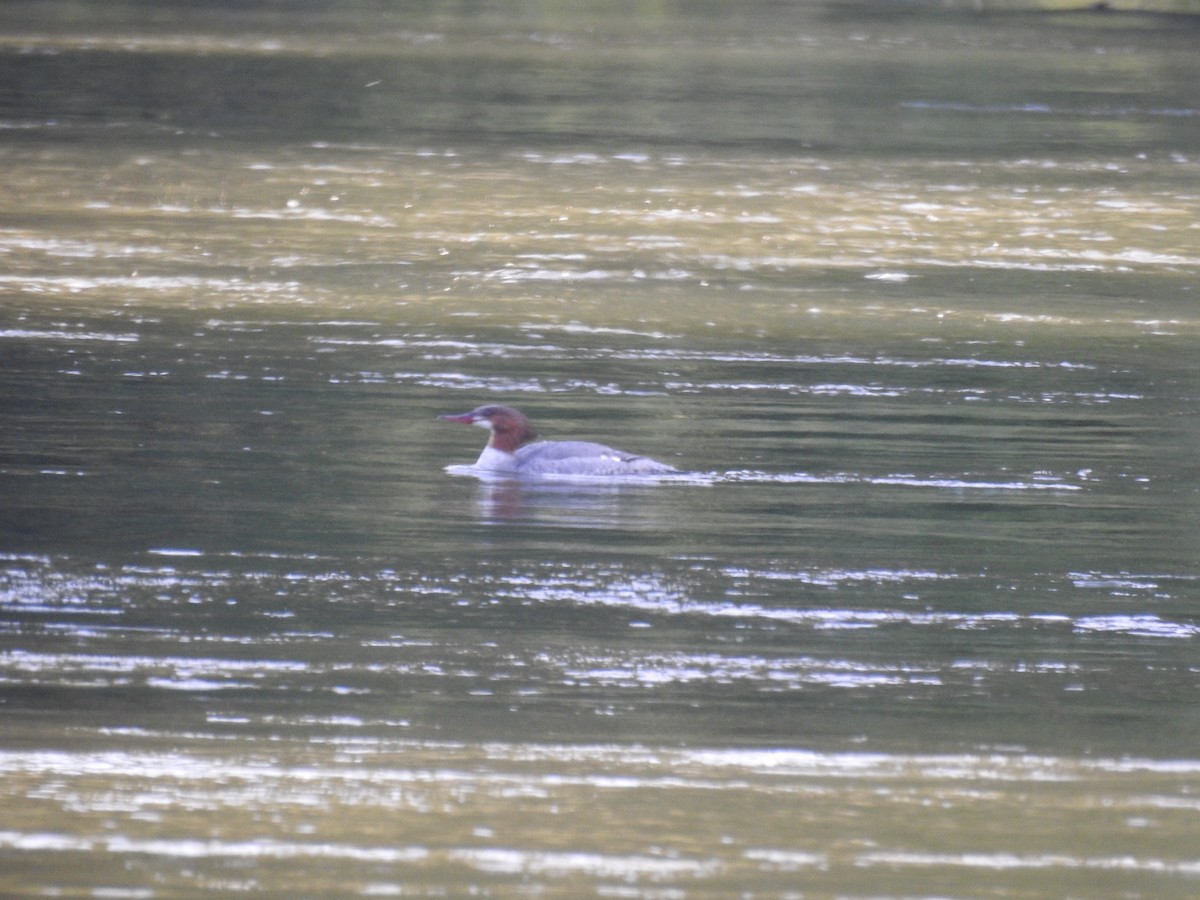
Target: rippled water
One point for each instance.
(909, 299)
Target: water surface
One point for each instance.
(909, 298)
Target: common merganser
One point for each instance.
(514, 447)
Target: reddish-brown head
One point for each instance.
(510, 429)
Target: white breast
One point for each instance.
(494, 460)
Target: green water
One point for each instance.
(909, 298)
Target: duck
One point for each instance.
(514, 447)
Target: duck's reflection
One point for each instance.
(580, 503)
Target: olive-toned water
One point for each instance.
(909, 296)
